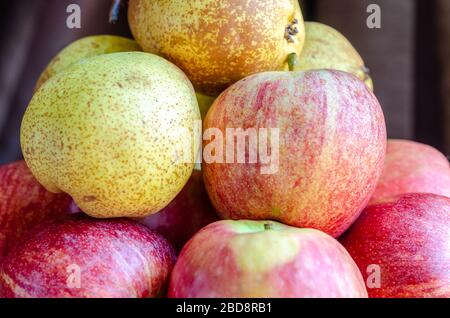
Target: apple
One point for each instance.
(115, 132)
(24, 203)
(186, 215)
(412, 167)
(217, 43)
(241, 259)
(402, 246)
(327, 48)
(81, 257)
(330, 145)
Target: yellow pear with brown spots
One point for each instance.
(218, 43)
(116, 132)
(327, 48)
(86, 47)
(95, 45)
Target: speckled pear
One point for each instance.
(84, 48)
(327, 48)
(115, 132)
(95, 45)
(218, 43)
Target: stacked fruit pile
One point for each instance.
(295, 158)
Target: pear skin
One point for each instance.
(116, 132)
(84, 48)
(326, 48)
(97, 45)
(217, 43)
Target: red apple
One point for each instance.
(412, 167)
(230, 259)
(186, 215)
(82, 257)
(24, 203)
(332, 142)
(402, 246)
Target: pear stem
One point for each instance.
(114, 11)
(292, 61)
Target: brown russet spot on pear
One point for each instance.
(121, 144)
(327, 48)
(218, 43)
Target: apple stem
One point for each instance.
(115, 11)
(268, 226)
(292, 61)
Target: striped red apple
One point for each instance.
(264, 259)
(402, 246)
(412, 167)
(82, 257)
(331, 147)
(24, 203)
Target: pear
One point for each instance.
(217, 43)
(91, 46)
(326, 48)
(86, 47)
(116, 132)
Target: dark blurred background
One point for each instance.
(409, 57)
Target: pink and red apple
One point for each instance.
(412, 167)
(82, 257)
(332, 143)
(186, 215)
(402, 246)
(24, 203)
(230, 259)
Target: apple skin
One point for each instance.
(217, 43)
(408, 237)
(243, 259)
(24, 203)
(412, 167)
(332, 145)
(186, 215)
(117, 259)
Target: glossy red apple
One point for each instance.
(332, 143)
(24, 203)
(186, 215)
(264, 259)
(402, 246)
(412, 167)
(83, 257)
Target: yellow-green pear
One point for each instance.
(327, 48)
(84, 48)
(94, 45)
(116, 132)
